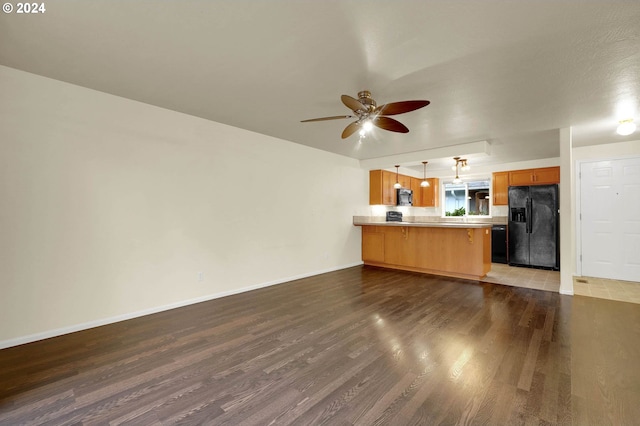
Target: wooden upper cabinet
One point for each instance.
(547, 175)
(430, 195)
(500, 188)
(381, 190)
(425, 196)
(521, 177)
(541, 176)
(417, 193)
(405, 181)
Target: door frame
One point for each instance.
(578, 188)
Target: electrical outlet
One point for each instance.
(200, 276)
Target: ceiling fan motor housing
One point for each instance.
(365, 99)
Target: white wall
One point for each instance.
(606, 151)
(111, 208)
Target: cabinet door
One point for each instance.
(381, 190)
(394, 245)
(405, 181)
(521, 177)
(400, 244)
(501, 188)
(417, 192)
(431, 194)
(375, 187)
(372, 245)
(388, 191)
(546, 175)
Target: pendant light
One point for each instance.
(397, 184)
(425, 182)
(455, 166)
(457, 179)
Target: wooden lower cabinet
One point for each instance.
(372, 245)
(456, 252)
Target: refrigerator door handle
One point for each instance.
(529, 212)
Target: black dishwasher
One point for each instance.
(499, 244)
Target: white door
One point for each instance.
(610, 210)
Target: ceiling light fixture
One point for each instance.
(626, 127)
(455, 166)
(367, 126)
(397, 184)
(425, 182)
(460, 162)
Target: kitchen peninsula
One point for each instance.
(461, 250)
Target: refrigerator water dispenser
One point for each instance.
(518, 214)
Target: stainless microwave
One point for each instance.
(404, 197)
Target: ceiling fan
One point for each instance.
(369, 114)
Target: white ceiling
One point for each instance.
(510, 73)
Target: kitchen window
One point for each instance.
(466, 199)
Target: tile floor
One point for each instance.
(540, 279)
(625, 291)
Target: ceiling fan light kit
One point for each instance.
(626, 127)
(368, 114)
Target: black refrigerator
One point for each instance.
(533, 226)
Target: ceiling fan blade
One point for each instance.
(400, 107)
(387, 123)
(335, 117)
(350, 129)
(352, 103)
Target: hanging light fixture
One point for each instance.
(425, 182)
(464, 165)
(455, 166)
(457, 179)
(397, 184)
(626, 127)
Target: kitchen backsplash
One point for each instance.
(431, 214)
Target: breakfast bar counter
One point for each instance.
(461, 250)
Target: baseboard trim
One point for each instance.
(567, 292)
(111, 320)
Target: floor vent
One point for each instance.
(581, 280)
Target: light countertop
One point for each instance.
(423, 224)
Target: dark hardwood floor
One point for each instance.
(362, 346)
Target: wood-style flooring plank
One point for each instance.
(359, 346)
